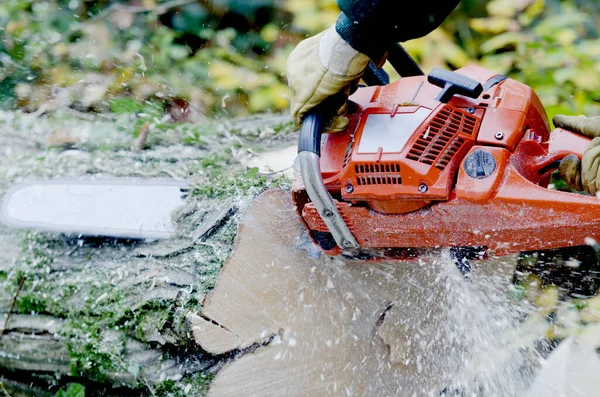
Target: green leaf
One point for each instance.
(501, 41)
(124, 105)
(7, 94)
(73, 390)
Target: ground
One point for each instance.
(193, 315)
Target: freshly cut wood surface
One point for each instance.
(326, 327)
(213, 338)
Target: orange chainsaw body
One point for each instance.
(413, 172)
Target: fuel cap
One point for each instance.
(480, 164)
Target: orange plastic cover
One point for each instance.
(399, 178)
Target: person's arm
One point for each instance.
(327, 66)
(370, 26)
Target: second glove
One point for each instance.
(585, 174)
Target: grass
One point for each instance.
(240, 183)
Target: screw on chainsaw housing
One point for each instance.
(349, 188)
(471, 110)
(423, 188)
(499, 135)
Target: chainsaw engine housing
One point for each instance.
(422, 166)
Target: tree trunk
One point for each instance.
(115, 315)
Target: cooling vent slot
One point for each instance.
(378, 174)
(440, 142)
(378, 180)
(377, 167)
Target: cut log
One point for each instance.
(32, 344)
(23, 389)
(213, 338)
(203, 222)
(37, 345)
(139, 299)
(327, 328)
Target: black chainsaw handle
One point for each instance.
(313, 125)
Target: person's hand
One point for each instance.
(584, 174)
(324, 67)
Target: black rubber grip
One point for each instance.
(311, 131)
(453, 83)
(497, 79)
(374, 76)
(401, 60)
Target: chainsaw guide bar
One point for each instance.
(121, 208)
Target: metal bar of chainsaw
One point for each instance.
(309, 150)
(313, 183)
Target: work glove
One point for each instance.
(324, 67)
(585, 174)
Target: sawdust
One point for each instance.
(572, 369)
(347, 328)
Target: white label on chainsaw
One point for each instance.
(390, 133)
(117, 208)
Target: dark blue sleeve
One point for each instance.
(370, 26)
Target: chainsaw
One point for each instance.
(454, 159)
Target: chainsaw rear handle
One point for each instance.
(313, 125)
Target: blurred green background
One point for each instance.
(225, 58)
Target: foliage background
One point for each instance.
(227, 57)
